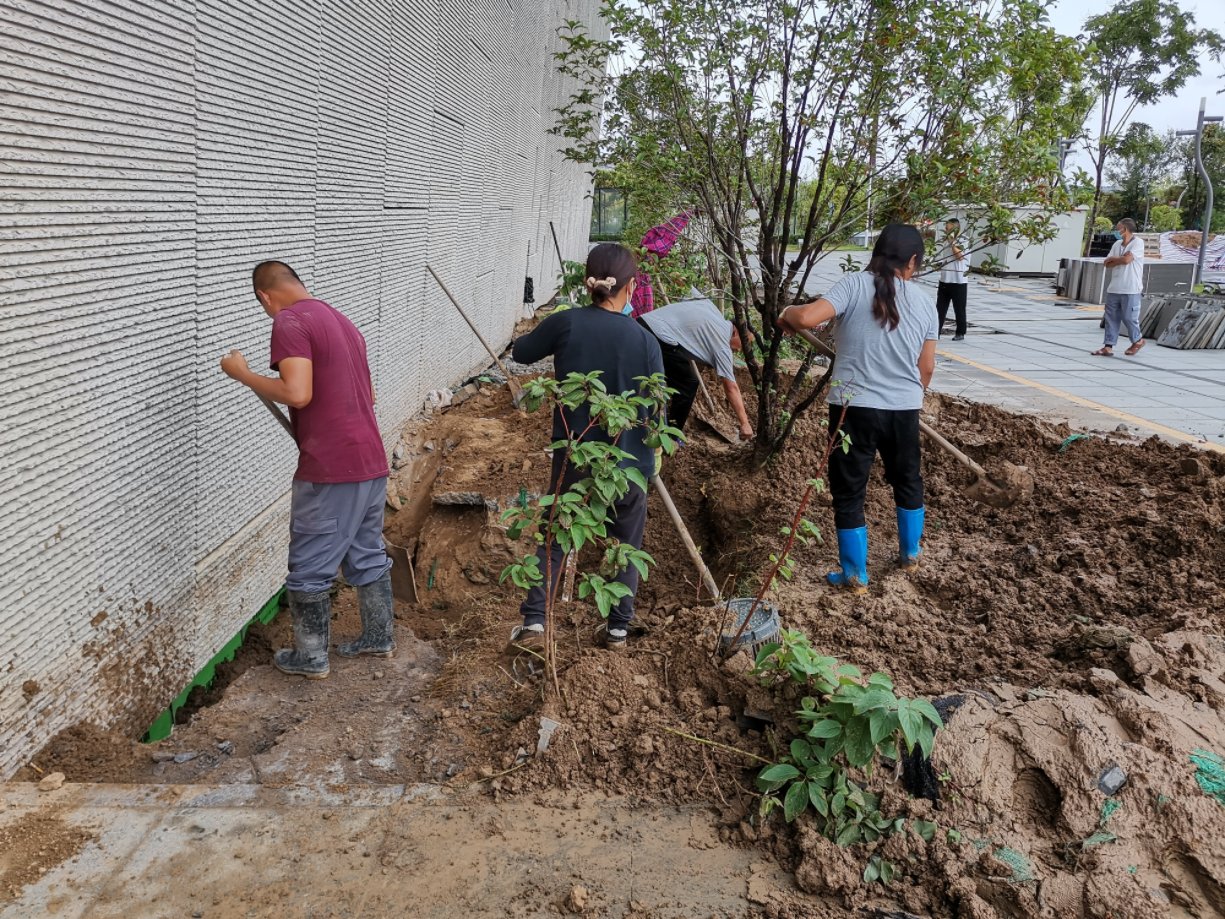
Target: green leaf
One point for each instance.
(882, 680)
(859, 746)
(838, 804)
(795, 800)
(927, 742)
(953, 836)
(925, 829)
(928, 711)
(872, 872)
(779, 773)
(887, 872)
(848, 835)
(910, 722)
(816, 795)
(766, 650)
(850, 672)
(822, 730)
(882, 725)
(875, 698)
(801, 750)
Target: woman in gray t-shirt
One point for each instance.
(886, 342)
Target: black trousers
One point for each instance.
(895, 435)
(629, 522)
(955, 294)
(679, 372)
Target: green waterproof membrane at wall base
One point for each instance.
(163, 725)
(1210, 774)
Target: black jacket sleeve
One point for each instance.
(539, 343)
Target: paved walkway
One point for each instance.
(1028, 350)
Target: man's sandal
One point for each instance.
(1136, 346)
(1102, 352)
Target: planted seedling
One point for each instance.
(800, 529)
(879, 869)
(576, 515)
(848, 724)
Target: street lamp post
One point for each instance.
(1063, 147)
(1206, 220)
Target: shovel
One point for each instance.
(403, 579)
(1012, 485)
(516, 391)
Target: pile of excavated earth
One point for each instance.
(1074, 639)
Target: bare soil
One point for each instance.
(1082, 626)
(33, 845)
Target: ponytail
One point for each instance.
(884, 306)
(897, 244)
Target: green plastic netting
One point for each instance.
(1210, 774)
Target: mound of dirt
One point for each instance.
(1083, 610)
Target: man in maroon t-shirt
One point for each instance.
(336, 510)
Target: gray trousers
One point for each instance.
(628, 524)
(335, 524)
(1122, 309)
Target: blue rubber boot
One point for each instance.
(909, 534)
(853, 557)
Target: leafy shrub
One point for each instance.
(847, 724)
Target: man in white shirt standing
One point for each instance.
(1126, 260)
(952, 287)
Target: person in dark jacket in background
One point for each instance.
(599, 337)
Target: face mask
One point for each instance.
(628, 309)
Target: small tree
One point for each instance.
(1214, 161)
(576, 516)
(1163, 218)
(1143, 50)
(789, 125)
(1143, 161)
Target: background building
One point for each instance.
(150, 154)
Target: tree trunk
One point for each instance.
(1097, 200)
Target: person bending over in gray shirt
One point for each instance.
(695, 330)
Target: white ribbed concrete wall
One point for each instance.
(150, 154)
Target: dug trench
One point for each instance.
(1079, 630)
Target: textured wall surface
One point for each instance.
(150, 154)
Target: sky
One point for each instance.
(1180, 111)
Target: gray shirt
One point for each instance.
(698, 327)
(877, 368)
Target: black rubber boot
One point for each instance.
(312, 618)
(374, 604)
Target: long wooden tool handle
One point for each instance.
(816, 342)
(951, 450)
(710, 402)
(707, 578)
(276, 413)
(450, 296)
(926, 428)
